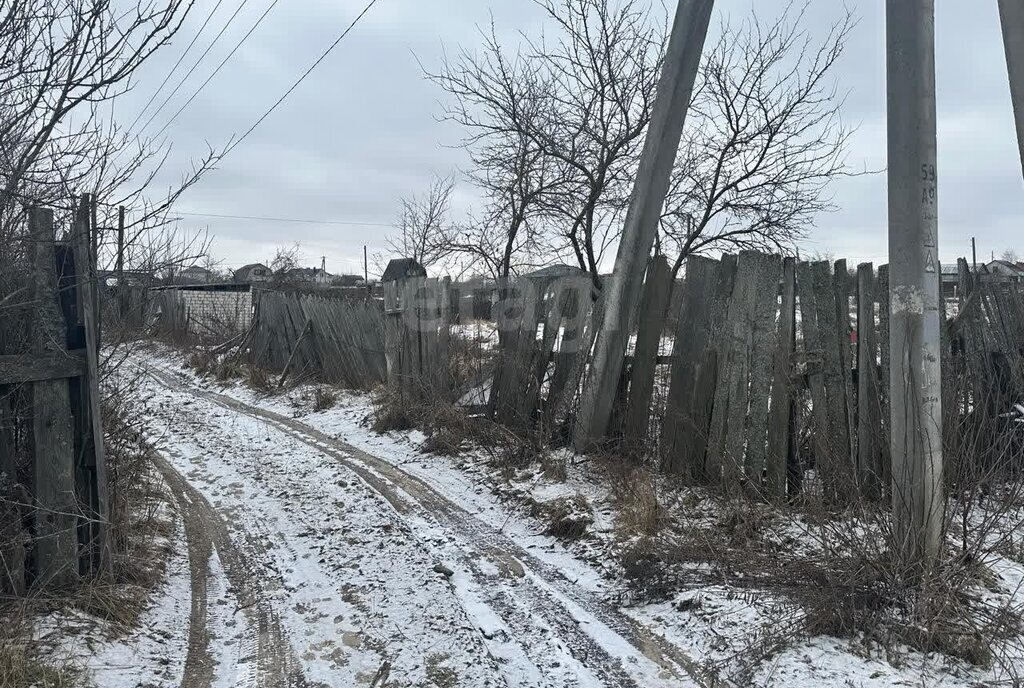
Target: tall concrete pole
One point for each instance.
(622, 292)
(915, 373)
(1011, 15)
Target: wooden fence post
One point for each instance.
(56, 518)
(841, 286)
(94, 459)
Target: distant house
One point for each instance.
(195, 275)
(949, 281)
(317, 276)
(1005, 268)
(252, 274)
(348, 281)
(400, 268)
(555, 272)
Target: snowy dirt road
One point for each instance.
(317, 564)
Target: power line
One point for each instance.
(289, 219)
(177, 64)
(302, 78)
(219, 67)
(202, 57)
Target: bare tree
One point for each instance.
(283, 265)
(555, 128)
(498, 97)
(62, 62)
(1010, 256)
(763, 139)
(602, 72)
(424, 228)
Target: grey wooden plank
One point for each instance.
(763, 352)
(732, 396)
(779, 424)
(85, 261)
(56, 514)
(846, 407)
(837, 468)
(814, 358)
(51, 365)
(653, 313)
(869, 460)
(578, 351)
(884, 369)
(691, 340)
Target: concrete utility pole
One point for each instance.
(622, 293)
(915, 373)
(1011, 15)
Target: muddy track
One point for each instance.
(206, 531)
(549, 594)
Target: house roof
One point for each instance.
(1005, 267)
(554, 271)
(250, 266)
(400, 268)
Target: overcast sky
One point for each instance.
(362, 130)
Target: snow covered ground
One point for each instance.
(334, 556)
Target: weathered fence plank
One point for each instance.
(763, 352)
(869, 409)
(846, 405)
(780, 420)
(56, 518)
(692, 338)
(653, 312)
(732, 396)
(16, 369)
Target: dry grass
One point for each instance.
(20, 668)
(567, 518)
(324, 398)
(639, 509)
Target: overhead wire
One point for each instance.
(202, 57)
(177, 64)
(219, 67)
(287, 219)
(234, 144)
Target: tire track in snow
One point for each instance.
(598, 633)
(205, 531)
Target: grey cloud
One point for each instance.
(361, 132)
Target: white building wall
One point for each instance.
(217, 313)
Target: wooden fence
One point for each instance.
(777, 367)
(339, 340)
(51, 448)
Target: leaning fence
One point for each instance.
(772, 369)
(338, 340)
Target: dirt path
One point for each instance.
(207, 532)
(528, 595)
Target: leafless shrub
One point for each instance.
(640, 511)
(324, 398)
(567, 518)
(259, 379)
